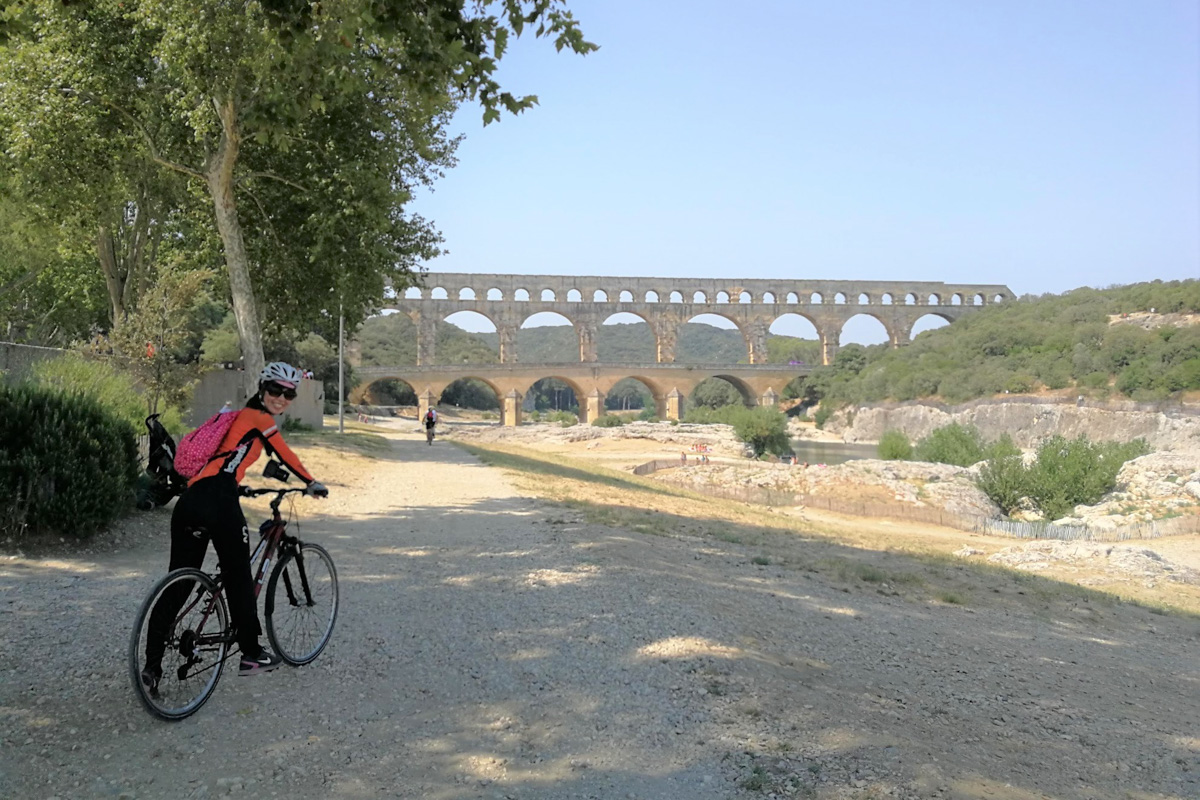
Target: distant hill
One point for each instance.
(1136, 341)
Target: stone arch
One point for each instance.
(460, 393)
(651, 296)
(548, 296)
(438, 293)
(934, 300)
(998, 298)
(816, 299)
(792, 298)
(910, 299)
(928, 322)
(722, 298)
(646, 346)
(466, 293)
(699, 297)
(574, 296)
(473, 322)
(978, 300)
(886, 299)
(599, 296)
(676, 297)
(579, 394)
(625, 296)
(385, 391)
(619, 396)
(956, 299)
(741, 388)
(495, 294)
(521, 296)
(798, 326)
(692, 328)
(769, 298)
(839, 299)
(412, 293)
(864, 328)
(864, 299)
(558, 340)
(744, 297)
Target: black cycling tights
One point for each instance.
(209, 510)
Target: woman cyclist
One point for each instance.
(209, 510)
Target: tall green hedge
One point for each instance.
(67, 466)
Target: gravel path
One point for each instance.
(490, 646)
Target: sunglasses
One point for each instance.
(275, 390)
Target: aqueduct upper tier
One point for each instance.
(668, 303)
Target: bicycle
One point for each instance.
(300, 610)
(429, 434)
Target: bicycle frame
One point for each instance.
(274, 539)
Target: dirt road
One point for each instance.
(490, 646)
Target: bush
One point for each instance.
(764, 428)
(1067, 473)
(608, 421)
(565, 419)
(67, 465)
(99, 380)
(961, 445)
(895, 446)
(648, 414)
(822, 415)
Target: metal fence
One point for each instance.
(761, 495)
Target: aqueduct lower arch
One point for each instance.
(668, 303)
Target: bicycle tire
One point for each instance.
(193, 658)
(302, 604)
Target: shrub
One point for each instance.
(565, 419)
(1004, 480)
(1067, 473)
(608, 421)
(648, 415)
(764, 428)
(961, 445)
(895, 446)
(822, 415)
(67, 464)
(100, 380)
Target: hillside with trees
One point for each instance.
(1139, 341)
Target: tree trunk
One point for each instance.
(106, 252)
(219, 175)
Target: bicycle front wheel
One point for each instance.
(179, 644)
(302, 604)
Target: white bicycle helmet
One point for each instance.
(281, 373)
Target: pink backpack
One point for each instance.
(201, 445)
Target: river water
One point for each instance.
(831, 452)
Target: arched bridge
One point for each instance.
(665, 304)
(759, 384)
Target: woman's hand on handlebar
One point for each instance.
(316, 489)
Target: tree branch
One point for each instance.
(273, 177)
(154, 154)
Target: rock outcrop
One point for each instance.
(1026, 422)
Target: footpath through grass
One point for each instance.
(903, 561)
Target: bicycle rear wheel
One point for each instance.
(302, 604)
(191, 628)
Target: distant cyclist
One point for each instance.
(209, 511)
(431, 421)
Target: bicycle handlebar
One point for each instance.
(246, 491)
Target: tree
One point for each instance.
(315, 97)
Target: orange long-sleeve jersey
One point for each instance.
(244, 442)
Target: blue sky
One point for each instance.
(1043, 144)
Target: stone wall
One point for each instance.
(225, 385)
(1026, 423)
